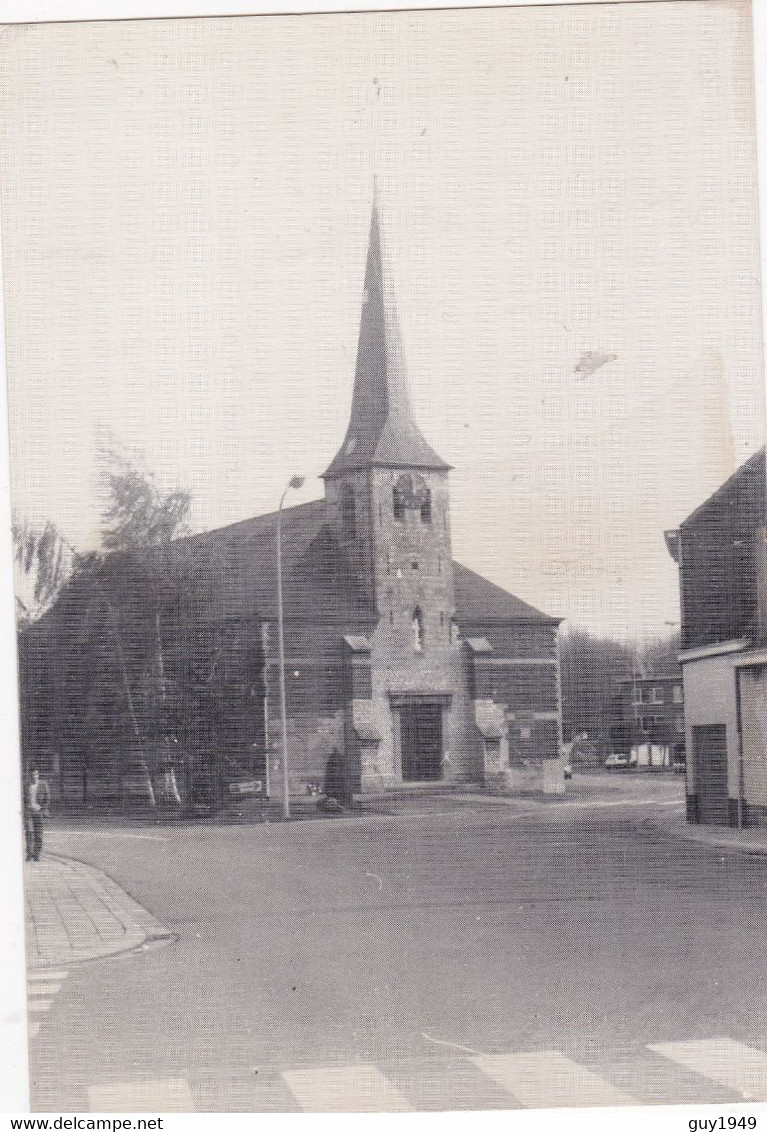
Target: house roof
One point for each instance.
(382, 430)
(753, 467)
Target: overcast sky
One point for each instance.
(185, 212)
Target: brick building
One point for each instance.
(412, 667)
(648, 710)
(720, 552)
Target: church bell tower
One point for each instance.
(388, 490)
(388, 499)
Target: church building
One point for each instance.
(400, 663)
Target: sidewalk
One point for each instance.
(750, 840)
(75, 913)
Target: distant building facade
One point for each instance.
(401, 664)
(720, 552)
(648, 710)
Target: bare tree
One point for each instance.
(42, 562)
(138, 516)
(589, 668)
(139, 522)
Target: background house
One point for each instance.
(649, 710)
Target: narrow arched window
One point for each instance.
(348, 513)
(426, 506)
(398, 501)
(418, 630)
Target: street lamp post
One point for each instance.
(295, 483)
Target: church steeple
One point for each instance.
(382, 431)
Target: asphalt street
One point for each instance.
(431, 959)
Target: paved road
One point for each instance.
(484, 957)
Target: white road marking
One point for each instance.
(141, 1095)
(736, 1066)
(350, 1088)
(451, 1045)
(40, 983)
(549, 1080)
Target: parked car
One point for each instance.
(617, 762)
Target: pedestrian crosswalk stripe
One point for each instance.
(548, 1079)
(732, 1064)
(142, 1095)
(351, 1088)
(541, 1079)
(42, 986)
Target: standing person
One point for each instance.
(37, 800)
(335, 787)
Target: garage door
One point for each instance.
(710, 753)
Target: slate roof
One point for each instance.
(382, 431)
(478, 601)
(234, 570)
(749, 477)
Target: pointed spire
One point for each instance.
(382, 431)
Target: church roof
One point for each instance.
(235, 574)
(478, 601)
(230, 575)
(234, 569)
(382, 431)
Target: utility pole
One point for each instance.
(295, 483)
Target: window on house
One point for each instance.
(638, 694)
(348, 513)
(679, 724)
(657, 695)
(418, 632)
(678, 694)
(426, 507)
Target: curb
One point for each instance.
(713, 842)
(131, 926)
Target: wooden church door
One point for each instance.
(421, 742)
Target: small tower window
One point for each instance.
(418, 632)
(398, 500)
(426, 507)
(348, 513)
